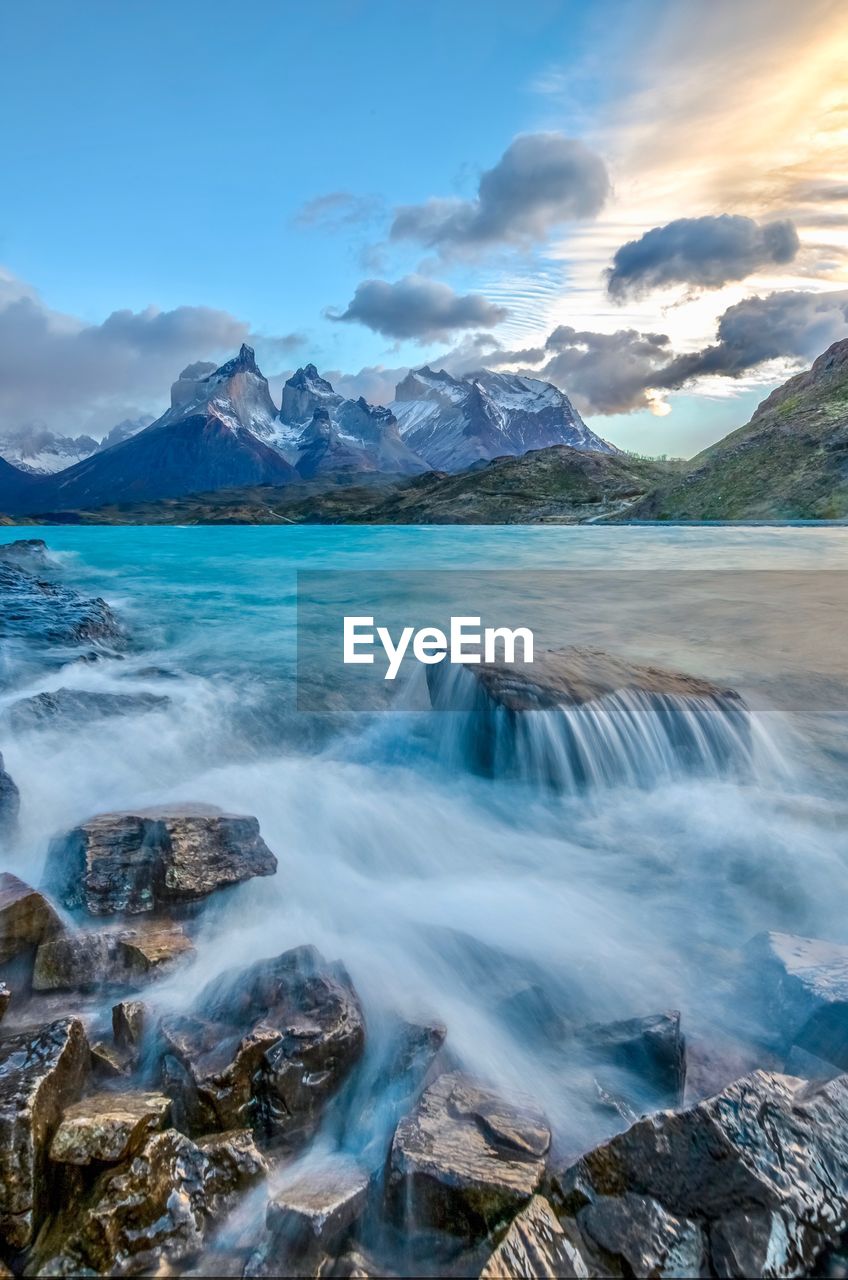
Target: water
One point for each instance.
(443, 891)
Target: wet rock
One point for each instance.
(643, 1238)
(129, 1021)
(465, 1160)
(265, 1047)
(114, 956)
(29, 554)
(233, 1163)
(10, 804)
(769, 1148)
(107, 1126)
(651, 1048)
(146, 1215)
(308, 1218)
(538, 1245)
(5, 998)
(45, 614)
(76, 706)
(108, 1062)
(804, 985)
(130, 863)
(41, 1072)
(26, 917)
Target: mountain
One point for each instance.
(207, 439)
(790, 462)
(123, 430)
(42, 452)
(454, 422)
(16, 486)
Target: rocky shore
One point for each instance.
(218, 1138)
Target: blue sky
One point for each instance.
(163, 155)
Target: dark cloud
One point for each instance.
(703, 252)
(55, 369)
(605, 372)
(418, 308)
(339, 209)
(541, 181)
(793, 324)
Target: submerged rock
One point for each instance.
(107, 1127)
(265, 1046)
(80, 706)
(573, 717)
(10, 804)
(114, 956)
(129, 863)
(804, 984)
(465, 1160)
(651, 1048)
(150, 1212)
(41, 1072)
(26, 917)
(762, 1167)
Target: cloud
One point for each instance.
(417, 308)
(793, 324)
(605, 372)
(338, 209)
(55, 369)
(540, 182)
(704, 252)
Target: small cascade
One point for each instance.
(630, 737)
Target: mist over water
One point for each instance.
(444, 892)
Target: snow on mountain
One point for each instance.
(42, 452)
(455, 422)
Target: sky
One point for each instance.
(644, 201)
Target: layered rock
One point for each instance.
(760, 1172)
(48, 614)
(804, 986)
(266, 1047)
(465, 1160)
(115, 956)
(41, 1073)
(537, 1244)
(26, 917)
(131, 863)
(108, 1127)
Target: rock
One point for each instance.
(45, 614)
(5, 998)
(689, 724)
(10, 804)
(109, 1062)
(538, 1245)
(308, 1218)
(651, 1048)
(770, 1149)
(464, 1161)
(41, 1072)
(233, 1163)
(804, 985)
(26, 917)
(129, 863)
(81, 706)
(146, 1215)
(643, 1237)
(264, 1047)
(107, 1126)
(114, 956)
(29, 554)
(129, 1021)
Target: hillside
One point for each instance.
(790, 462)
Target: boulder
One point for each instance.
(46, 614)
(804, 986)
(10, 804)
(265, 1046)
(308, 1217)
(538, 1245)
(130, 863)
(27, 553)
(26, 917)
(129, 1021)
(107, 1126)
(650, 1048)
(114, 956)
(108, 1062)
(41, 1072)
(465, 1160)
(149, 1213)
(5, 997)
(762, 1167)
(80, 706)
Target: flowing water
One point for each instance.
(625, 890)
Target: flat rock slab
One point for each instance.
(264, 1046)
(762, 1167)
(320, 1205)
(113, 956)
(26, 917)
(153, 860)
(41, 1073)
(107, 1126)
(465, 1160)
(804, 982)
